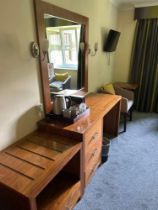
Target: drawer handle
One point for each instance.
(94, 152)
(92, 171)
(94, 137)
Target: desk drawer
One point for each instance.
(93, 135)
(72, 198)
(92, 151)
(92, 166)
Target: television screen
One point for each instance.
(111, 41)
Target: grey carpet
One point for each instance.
(129, 179)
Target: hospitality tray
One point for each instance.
(50, 117)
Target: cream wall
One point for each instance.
(126, 25)
(19, 86)
(19, 80)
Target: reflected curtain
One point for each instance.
(144, 69)
(81, 60)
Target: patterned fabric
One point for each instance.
(144, 70)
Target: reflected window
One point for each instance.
(63, 46)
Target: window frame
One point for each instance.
(61, 29)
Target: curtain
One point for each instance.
(144, 69)
(81, 60)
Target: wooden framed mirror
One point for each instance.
(43, 12)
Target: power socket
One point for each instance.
(39, 108)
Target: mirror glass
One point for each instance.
(63, 52)
(63, 62)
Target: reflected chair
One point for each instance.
(60, 82)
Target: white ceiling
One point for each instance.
(136, 3)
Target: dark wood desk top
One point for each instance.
(99, 104)
(128, 86)
(27, 166)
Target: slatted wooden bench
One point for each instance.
(40, 172)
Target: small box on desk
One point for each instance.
(76, 99)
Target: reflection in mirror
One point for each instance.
(63, 52)
(64, 65)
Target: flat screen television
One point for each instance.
(111, 41)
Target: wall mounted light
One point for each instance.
(34, 49)
(93, 52)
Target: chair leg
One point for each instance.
(125, 121)
(130, 114)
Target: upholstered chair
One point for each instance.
(127, 100)
(60, 82)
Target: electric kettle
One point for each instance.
(61, 102)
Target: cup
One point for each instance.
(82, 107)
(67, 113)
(74, 111)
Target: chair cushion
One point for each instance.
(56, 86)
(126, 105)
(129, 104)
(108, 88)
(61, 77)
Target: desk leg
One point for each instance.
(111, 121)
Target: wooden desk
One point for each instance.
(102, 106)
(104, 116)
(49, 169)
(38, 172)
